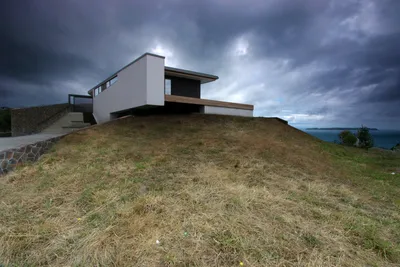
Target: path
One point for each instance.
(15, 142)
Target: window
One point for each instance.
(167, 86)
(97, 90)
(113, 80)
(105, 85)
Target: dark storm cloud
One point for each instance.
(6, 93)
(32, 63)
(388, 91)
(309, 61)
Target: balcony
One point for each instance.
(206, 102)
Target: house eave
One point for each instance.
(202, 77)
(168, 71)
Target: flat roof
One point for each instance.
(169, 71)
(203, 77)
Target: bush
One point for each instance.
(5, 120)
(396, 147)
(347, 138)
(364, 138)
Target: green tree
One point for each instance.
(347, 138)
(364, 138)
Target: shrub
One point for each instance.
(365, 138)
(396, 147)
(5, 121)
(347, 138)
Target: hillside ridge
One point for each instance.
(201, 190)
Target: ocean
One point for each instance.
(382, 138)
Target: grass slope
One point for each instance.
(214, 190)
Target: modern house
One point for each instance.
(144, 86)
(147, 85)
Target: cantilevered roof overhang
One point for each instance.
(202, 77)
(169, 71)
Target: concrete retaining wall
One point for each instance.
(11, 158)
(31, 120)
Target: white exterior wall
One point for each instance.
(139, 84)
(227, 111)
(155, 81)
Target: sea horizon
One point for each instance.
(383, 138)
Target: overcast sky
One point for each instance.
(312, 62)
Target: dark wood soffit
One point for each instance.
(206, 102)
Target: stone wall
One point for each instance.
(11, 158)
(31, 120)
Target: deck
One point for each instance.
(206, 102)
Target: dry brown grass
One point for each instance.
(245, 190)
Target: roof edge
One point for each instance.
(189, 72)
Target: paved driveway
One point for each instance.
(15, 142)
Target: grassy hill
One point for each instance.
(213, 190)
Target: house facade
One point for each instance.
(147, 85)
